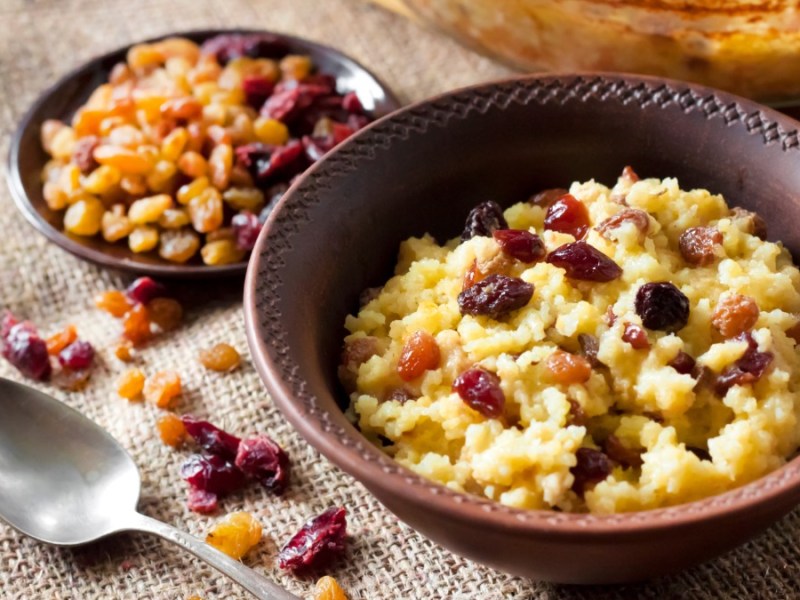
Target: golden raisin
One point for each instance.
(84, 217)
(115, 226)
(124, 351)
(205, 210)
(58, 341)
(113, 302)
(221, 357)
(136, 325)
(174, 218)
(698, 245)
(328, 589)
(734, 314)
(149, 210)
(143, 238)
(420, 353)
(171, 430)
(295, 66)
(178, 245)
(221, 252)
(129, 162)
(165, 313)
(162, 389)
(130, 384)
(236, 534)
(566, 368)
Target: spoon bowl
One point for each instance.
(66, 481)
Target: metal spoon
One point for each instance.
(66, 481)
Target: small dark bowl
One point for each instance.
(420, 170)
(27, 158)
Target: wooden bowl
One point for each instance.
(420, 170)
(27, 158)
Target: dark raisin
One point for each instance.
(635, 336)
(211, 438)
(495, 296)
(662, 306)
(522, 245)
(704, 378)
(319, 542)
(592, 467)
(260, 458)
(576, 414)
(620, 453)
(589, 346)
(635, 216)
(683, 363)
(246, 227)
(698, 245)
(359, 350)
(24, 349)
(484, 220)
(748, 369)
(567, 215)
(212, 474)
(480, 390)
(144, 289)
(78, 355)
(546, 197)
(584, 262)
(750, 222)
(83, 153)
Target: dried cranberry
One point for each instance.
(495, 296)
(83, 153)
(226, 47)
(352, 104)
(23, 348)
(585, 262)
(145, 289)
(621, 454)
(212, 473)
(316, 147)
(357, 122)
(248, 155)
(480, 390)
(78, 355)
(635, 336)
(246, 227)
(287, 103)
(484, 220)
(748, 369)
(284, 160)
(683, 363)
(212, 438)
(257, 89)
(662, 306)
(592, 467)
(320, 541)
(201, 501)
(260, 458)
(546, 197)
(589, 347)
(567, 215)
(522, 245)
(698, 245)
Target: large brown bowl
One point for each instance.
(420, 170)
(26, 157)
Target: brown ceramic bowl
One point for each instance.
(420, 170)
(27, 158)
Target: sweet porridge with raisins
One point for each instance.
(593, 349)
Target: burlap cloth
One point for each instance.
(42, 39)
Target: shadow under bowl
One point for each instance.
(27, 158)
(421, 170)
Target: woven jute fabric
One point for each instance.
(40, 40)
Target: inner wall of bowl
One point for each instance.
(429, 181)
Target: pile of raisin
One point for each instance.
(61, 358)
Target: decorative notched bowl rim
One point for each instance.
(345, 446)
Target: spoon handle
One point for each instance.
(257, 584)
